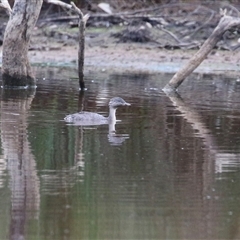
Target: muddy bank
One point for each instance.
(137, 58)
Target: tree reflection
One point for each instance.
(220, 158)
(21, 165)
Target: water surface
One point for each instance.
(171, 170)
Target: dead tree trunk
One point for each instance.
(81, 49)
(81, 46)
(224, 24)
(16, 69)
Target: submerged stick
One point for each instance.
(225, 23)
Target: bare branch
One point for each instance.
(71, 6)
(77, 10)
(59, 3)
(5, 5)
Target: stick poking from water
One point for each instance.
(81, 46)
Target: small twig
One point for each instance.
(59, 3)
(77, 10)
(232, 8)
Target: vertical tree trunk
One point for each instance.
(16, 69)
(81, 45)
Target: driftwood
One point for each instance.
(81, 47)
(226, 23)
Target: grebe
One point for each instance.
(90, 118)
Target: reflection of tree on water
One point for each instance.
(220, 159)
(201, 178)
(21, 165)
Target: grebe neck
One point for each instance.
(112, 114)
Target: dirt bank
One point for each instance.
(134, 57)
(137, 57)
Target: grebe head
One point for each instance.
(117, 102)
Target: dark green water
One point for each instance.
(171, 171)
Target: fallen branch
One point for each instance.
(225, 23)
(180, 44)
(81, 47)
